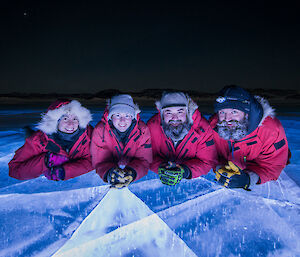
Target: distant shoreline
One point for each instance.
(144, 101)
(147, 98)
(282, 106)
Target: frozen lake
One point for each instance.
(194, 218)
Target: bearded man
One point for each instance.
(251, 143)
(182, 140)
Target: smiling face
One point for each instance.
(68, 123)
(174, 116)
(231, 116)
(233, 124)
(121, 121)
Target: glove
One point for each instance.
(119, 178)
(55, 173)
(171, 173)
(54, 159)
(232, 176)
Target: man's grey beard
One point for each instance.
(235, 133)
(176, 133)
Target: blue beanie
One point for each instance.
(234, 97)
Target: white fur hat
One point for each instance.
(49, 121)
(122, 104)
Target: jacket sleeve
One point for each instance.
(273, 156)
(102, 157)
(28, 161)
(206, 155)
(77, 167)
(143, 156)
(82, 164)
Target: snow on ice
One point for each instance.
(195, 218)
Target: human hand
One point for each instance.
(232, 176)
(170, 173)
(119, 178)
(56, 173)
(54, 159)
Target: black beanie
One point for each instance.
(234, 97)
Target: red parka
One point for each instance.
(196, 151)
(29, 160)
(263, 151)
(107, 152)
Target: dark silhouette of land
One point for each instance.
(147, 97)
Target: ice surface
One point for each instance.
(122, 225)
(197, 217)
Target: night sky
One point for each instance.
(81, 47)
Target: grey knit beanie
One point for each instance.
(122, 104)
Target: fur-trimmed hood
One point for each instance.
(49, 121)
(191, 108)
(255, 120)
(267, 109)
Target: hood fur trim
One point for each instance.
(267, 109)
(191, 108)
(49, 121)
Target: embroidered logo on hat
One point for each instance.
(221, 99)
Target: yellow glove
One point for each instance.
(119, 178)
(232, 176)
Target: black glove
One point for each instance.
(232, 176)
(119, 178)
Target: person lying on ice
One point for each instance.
(121, 144)
(251, 143)
(182, 140)
(60, 148)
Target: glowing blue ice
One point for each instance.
(197, 217)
